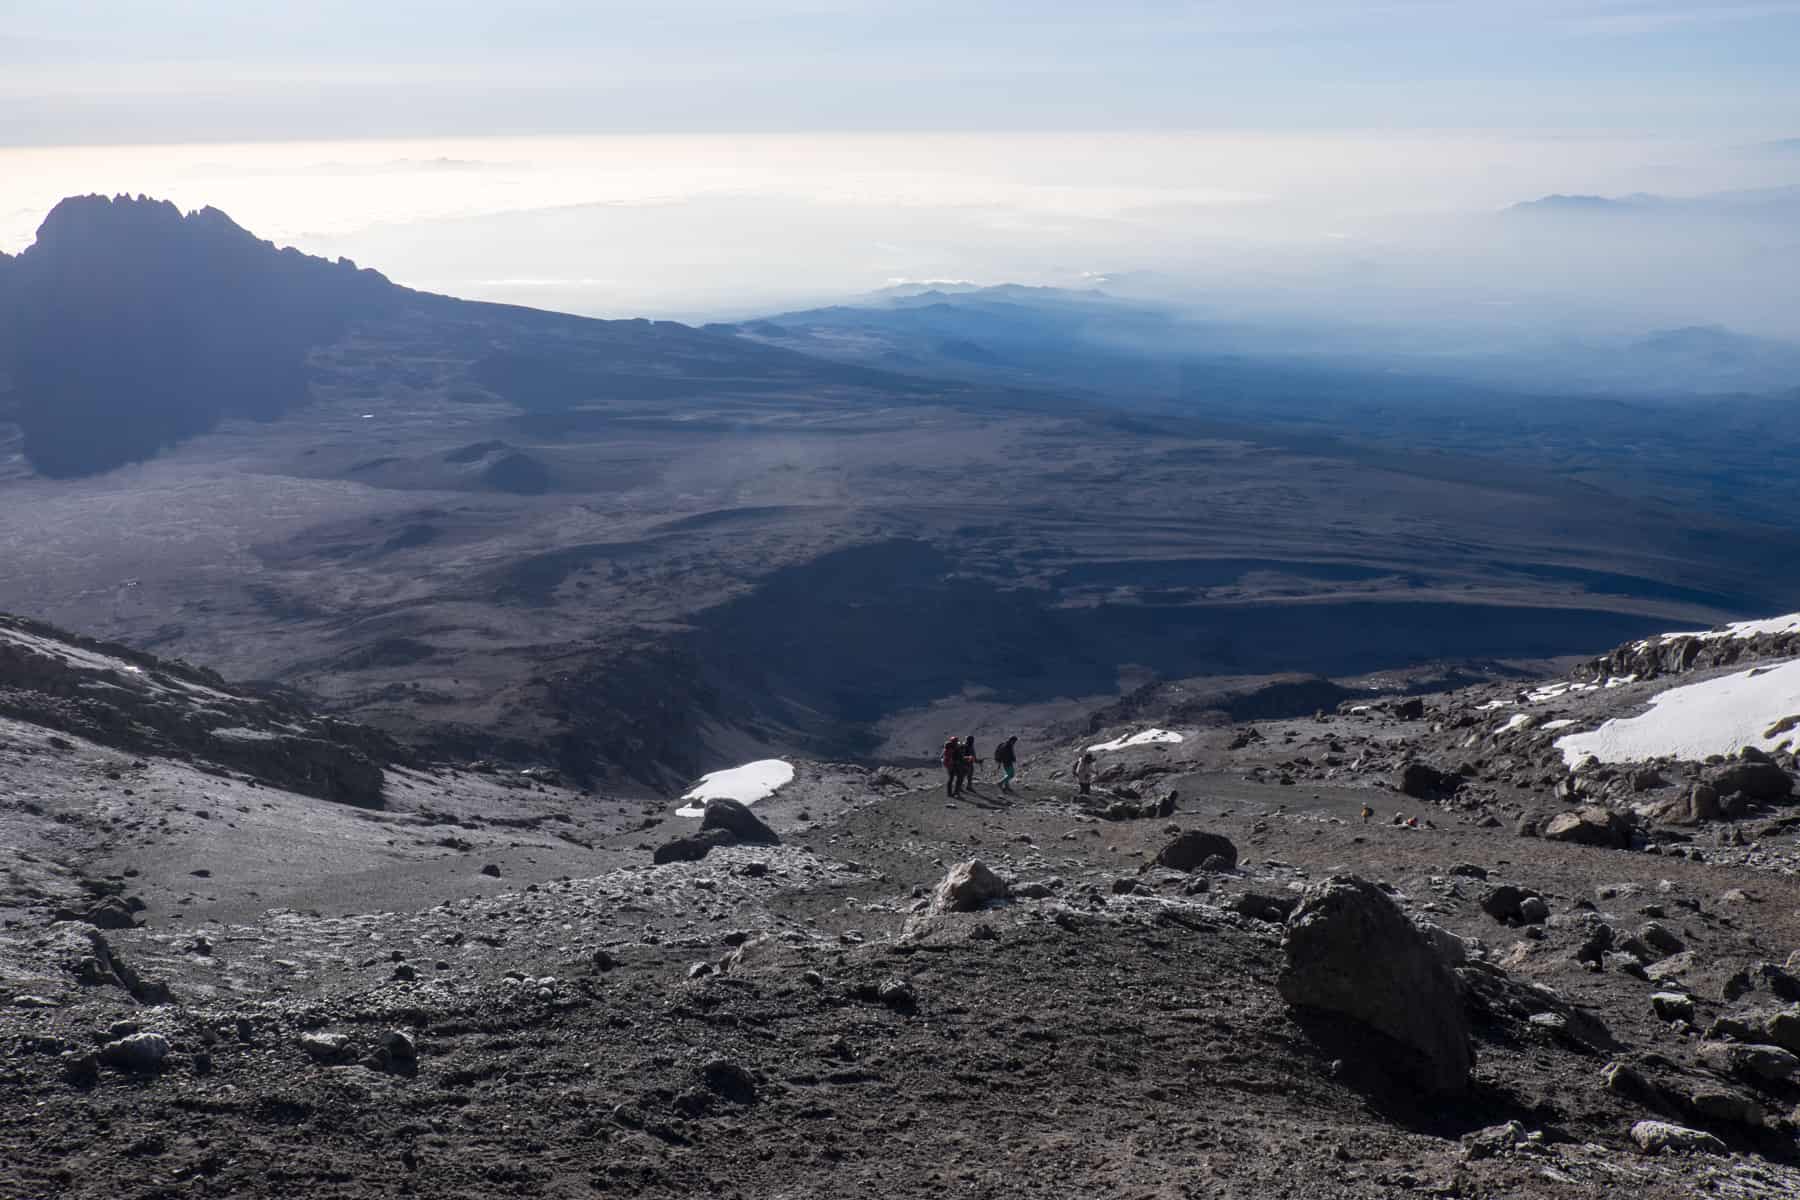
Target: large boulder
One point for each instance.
(1760, 780)
(1422, 781)
(1590, 826)
(1193, 847)
(968, 887)
(691, 847)
(1771, 1064)
(1654, 1137)
(737, 819)
(1351, 952)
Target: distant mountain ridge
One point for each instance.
(128, 327)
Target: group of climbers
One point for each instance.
(960, 761)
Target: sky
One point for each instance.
(696, 158)
(131, 71)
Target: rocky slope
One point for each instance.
(1214, 976)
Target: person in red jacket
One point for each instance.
(953, 767)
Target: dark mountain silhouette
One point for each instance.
(137, 326)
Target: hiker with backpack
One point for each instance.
(968, 762)
(1006, 757)
(953, 767)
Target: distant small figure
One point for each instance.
(1084, 772)
(968, 762)
(952, 766)
(1006, 757)
(1367, 812)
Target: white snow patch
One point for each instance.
(1513, 722)
(1146, 738)
(1718, 716)
(746, 784)
(1559, 723)
(1552, 691)
(1491, 705)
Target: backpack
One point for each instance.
(952, 753)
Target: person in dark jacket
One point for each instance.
(1006, 757)
(952, 767)
(968, 762)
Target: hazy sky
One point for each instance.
(112, 71)
(719, 157)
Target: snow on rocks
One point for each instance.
(1716, 716)
(1148, 737)
(1736, 631)
(746, 784)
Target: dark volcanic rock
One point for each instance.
(1590, 826)
(1760, 781)
(1423, 781)
(693, 847)
(1193, 847)
(1261, 907)
(732, 817)
(1352, 952)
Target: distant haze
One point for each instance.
(1362, 228)
(701, 158)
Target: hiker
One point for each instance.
(952, 767)
(1084, 771)
(968, 762)
(1006, 757)
(1367, 812)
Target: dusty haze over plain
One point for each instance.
(1306, 159)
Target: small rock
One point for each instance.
(82, 1069)
(1662, 938)
(1673, 1006)
(405, 972)
(325, 1047)
(491, 870)
(730, 1080)
(1494, 1140)
(1654, 1137)
(1533, 910)
(140, 1053)
(400, 1046)
(1259, 907)
(898, 995)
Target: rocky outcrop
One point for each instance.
(1589, 826)
(1351, 952)
(1654, 1137)
(968, 887)
(1657, 657)
(1193, 847)
(1422, 781)
(724, 823)
(119, 697)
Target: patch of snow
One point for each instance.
(1559, 723)
(1613, 681)
(1552, 691)
(1513, 722)
(1146, 738)
(1717, 716)
(1491, 705)
(746, 784)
